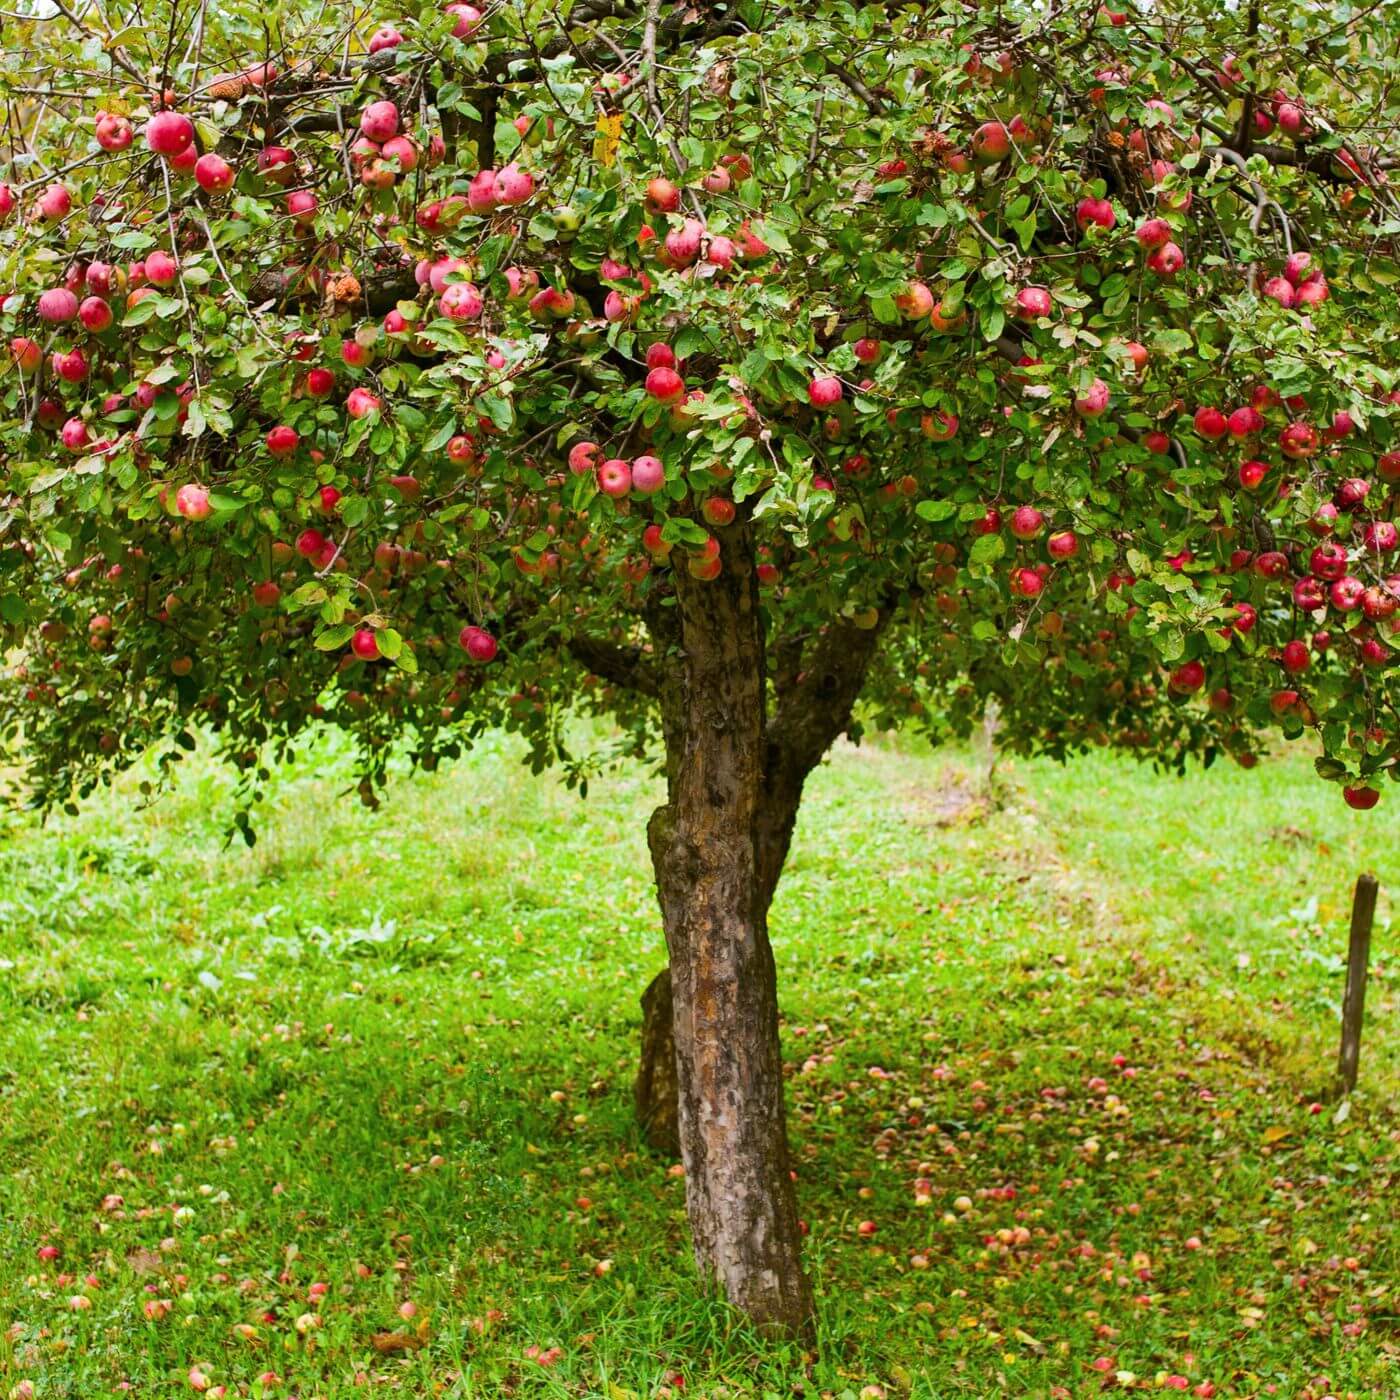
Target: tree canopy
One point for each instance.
(745, 372)
(381, 370)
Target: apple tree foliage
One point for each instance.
(422, 372)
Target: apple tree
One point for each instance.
(745, 373)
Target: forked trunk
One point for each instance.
(704, 845)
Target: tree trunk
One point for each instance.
(811, 716)
(655, 1092)
(704, 845)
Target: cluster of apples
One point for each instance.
(1301, 284)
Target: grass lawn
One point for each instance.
(351, 1111)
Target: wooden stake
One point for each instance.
(1363, 912)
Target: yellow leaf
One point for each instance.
(609, 138)
(616, 1392)
(1276, 1134)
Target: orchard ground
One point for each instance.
(391, 1053)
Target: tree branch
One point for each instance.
(855, 85)
(627, 666)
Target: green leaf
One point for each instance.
(141, 312)
(333, 638)
(935, 510)
(986, 549)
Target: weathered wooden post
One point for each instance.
(1363, 912)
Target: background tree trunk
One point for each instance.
(731, 1117)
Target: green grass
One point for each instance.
(391, 1052)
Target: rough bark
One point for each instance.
(733, 1138)
(811, 715)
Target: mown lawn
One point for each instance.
(353, 1109)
